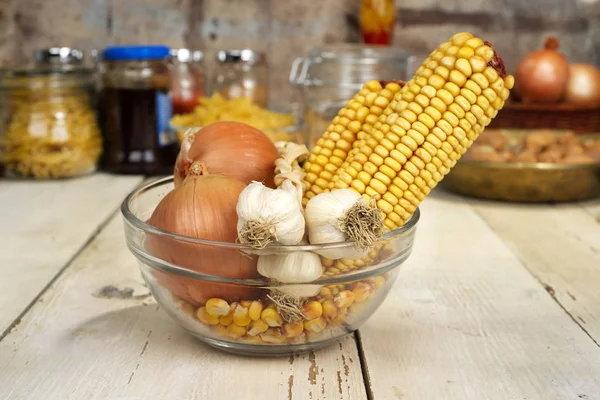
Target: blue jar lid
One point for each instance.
(152, 52)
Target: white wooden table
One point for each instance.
(497, 301)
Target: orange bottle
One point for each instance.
(377, 20)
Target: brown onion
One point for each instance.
(541, 76)
(583, 86)
(229, 148)
(204, 207)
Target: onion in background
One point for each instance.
(541, 76)
(583, 86)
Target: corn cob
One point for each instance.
(357, 117)
(432, 121)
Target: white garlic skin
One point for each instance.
(322, 214)
(277, 207)
(299, 291)
(295, 267)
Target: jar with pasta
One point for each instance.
(48, 127)
(242, 73)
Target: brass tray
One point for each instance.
(524, 182)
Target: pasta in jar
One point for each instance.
(50, 129)
(277, 126)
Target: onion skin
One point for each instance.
(229, 148)
(583, 87)
(541, 76)
(203, 206)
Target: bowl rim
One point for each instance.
(131, 218)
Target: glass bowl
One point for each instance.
(255, 315)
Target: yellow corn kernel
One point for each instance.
(478, 64)
(377, 186)
(186, 308)
(480, 80)
(472, 87)
(255, 310)
(273, 336)
(388, 172)
(436, 81)
(217, 307)
(490, 95)
(219, 330)
(457, 77)
(463, 66)
(257, 327)
(301, 338)
(422, 100)
(235, 331)
(271, 317)
(240, 316)
(293, 329)
(429, 91)
(315, 325)
(485, 52)
(251, 339)
(442, 71)
(460, 38)
(228, 318)
(344, 299)
(312, 310)
(329, 310)
(204, 317)
(377, 281)
(438, 104)
(362, 291)
(509, 82)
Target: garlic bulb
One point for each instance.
(295, 267)
(298, 290)
(287, 167)
(269, 215)
(339, 216)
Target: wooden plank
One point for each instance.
(465, 320)
(76, 345)
(560, 246)
(43, 225)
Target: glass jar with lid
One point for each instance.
(242, 73)
(48, 126)
(330, 76)
(135, 109)
(187, 79)
(58, 57)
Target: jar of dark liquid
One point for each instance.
(135, 110)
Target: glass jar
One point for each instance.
(135, 109)
(329, 77)
(48, 127)
(187, 79)
(242, 73)
(58, 57)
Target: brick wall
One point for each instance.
(288, 28)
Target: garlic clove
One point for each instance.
(295, 267)
(299, 291)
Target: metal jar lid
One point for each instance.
(58, 55)
(241, 56)
(186, 55)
